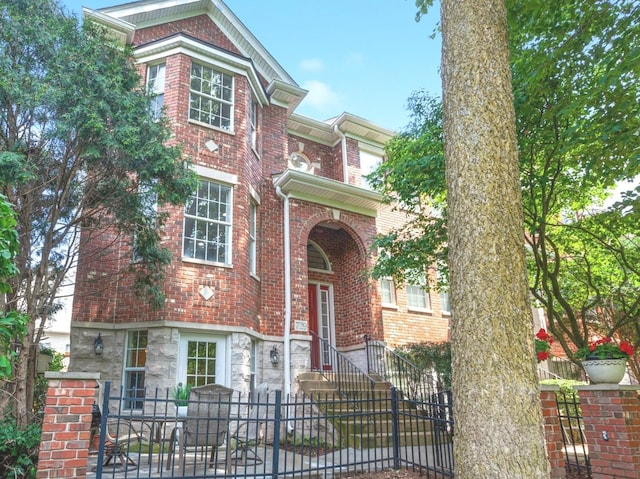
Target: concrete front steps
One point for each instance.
(364, 419)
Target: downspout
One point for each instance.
(287, 294)
(343, 145)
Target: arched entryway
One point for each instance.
(338, 295)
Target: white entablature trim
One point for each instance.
(217, 175)
(204, 53)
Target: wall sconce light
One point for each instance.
(98, 345)
(212, 146)
(274, 356)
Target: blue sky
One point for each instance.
(364, 57)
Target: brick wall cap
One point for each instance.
(608, 387)
(549, 387)
(70, 375)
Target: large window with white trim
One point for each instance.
(211, 97)
(445, 306)
(387, 292)
(418, 295)
(207, 223)
(155, 87)
(135, 361)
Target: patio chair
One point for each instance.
(249, 432)
(206, 424)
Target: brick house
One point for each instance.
(271, 252)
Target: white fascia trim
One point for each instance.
(123, 30)
(254, 43)
(217, 175)
(206, 54)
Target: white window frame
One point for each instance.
(226, 224)
(418, 290)
(156, 75)
(444, 300)
(387, 284)
(220, 368)
(368, 163)
(253, 123)
(137, 370)
(221, 119)
(149, 204)
(253, 238)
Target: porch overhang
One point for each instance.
(327, 192)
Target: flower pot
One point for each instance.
(605, 371)
(181, 411)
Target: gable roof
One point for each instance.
(122, 20)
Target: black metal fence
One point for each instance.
(414, 382)
(227, 435)
(345, 376)
(575, 443)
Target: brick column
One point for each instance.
(611, 414)
(552, 430)
(64, 447)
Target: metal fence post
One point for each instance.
(103, 428)
(277, 422)
(395, 429)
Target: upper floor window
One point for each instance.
(211, 97)
(445, 306)
(253, 231)
(253, 123)
(299, 161)
(155, 87)
(418, 295)
(149, 209)
(387, 292)
(368, 163)
(207, 223)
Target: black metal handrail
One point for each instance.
(348, 379)
(414, 383)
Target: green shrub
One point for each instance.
(18, 449)
(430, 356)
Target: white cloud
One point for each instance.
(321, 97)
(312, 65)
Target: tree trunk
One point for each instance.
(498, 420)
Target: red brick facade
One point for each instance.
(338, 216)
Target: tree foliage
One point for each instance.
(79, 147)
(576, 79)
(12, 323)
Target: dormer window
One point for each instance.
(211, 97)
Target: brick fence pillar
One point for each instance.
(611, 414)
(64, 447)
(552, 431)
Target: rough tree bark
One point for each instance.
(498, 420)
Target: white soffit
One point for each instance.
(327, 192)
